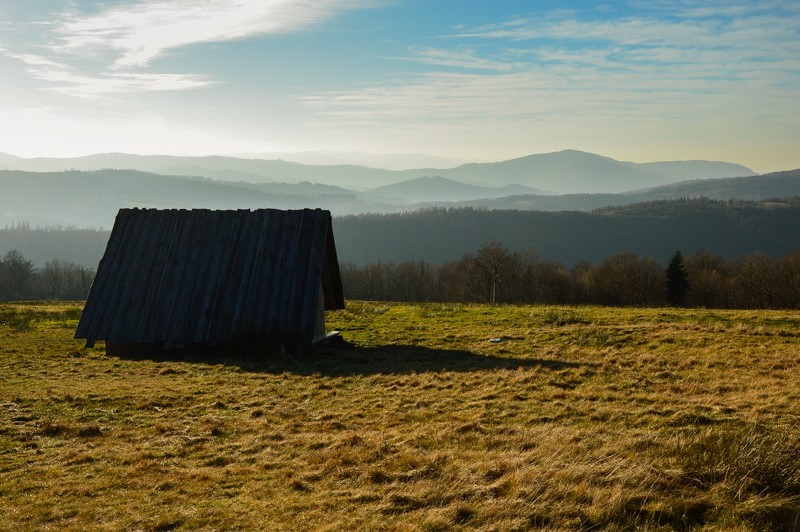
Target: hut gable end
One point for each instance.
(174, 278)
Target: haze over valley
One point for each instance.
(87, 191)
(411, 215)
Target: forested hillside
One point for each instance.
(83, 247)
(728, 229)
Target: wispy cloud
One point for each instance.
(120, 82)
(460, 58)
(62, 78)
(584, 70)
(700, 52)
(141, 31)
(735, 8)
(492, 79)
(112, 51)
(641, 31)
(32, 59)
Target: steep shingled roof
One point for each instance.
(180, 277)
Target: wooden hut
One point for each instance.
(213, 280)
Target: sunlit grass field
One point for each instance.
(571, 418)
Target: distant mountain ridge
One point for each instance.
(504, 197)
(564, 172)
(91, 199)
(213, 166)
(572, 171)
(784, 184)
(388, 161)
(437, 188)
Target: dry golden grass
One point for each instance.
(580, 418)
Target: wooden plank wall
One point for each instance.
(181, 277)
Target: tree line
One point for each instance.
(494, 274)
(56, 280)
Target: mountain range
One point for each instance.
(88, 191)
(564, 172)
(599, 206)
(92, 198)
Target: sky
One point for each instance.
(465, 79)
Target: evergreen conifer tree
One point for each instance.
(677, 281)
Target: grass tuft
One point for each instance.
(753, 462)
(53, 429)
(17, 321)
(559, 317)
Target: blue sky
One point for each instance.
(474, 80)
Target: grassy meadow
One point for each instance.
(578, 418)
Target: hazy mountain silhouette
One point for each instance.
(773, 185)
(389, 161)
(89, 194)
(572, 171)
(568, 171)
(11, 162)
(683, 170)
(754, 188)
(91, 199)
(215, 167)
(439, 188)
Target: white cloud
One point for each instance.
(768, 32)
(678, 71)
(68, 80)
(740, 8)
(32, 60)
(563, 62)
(89, 56)
(95, 86)
(141, 31)
(624, 81)
(457, 58)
